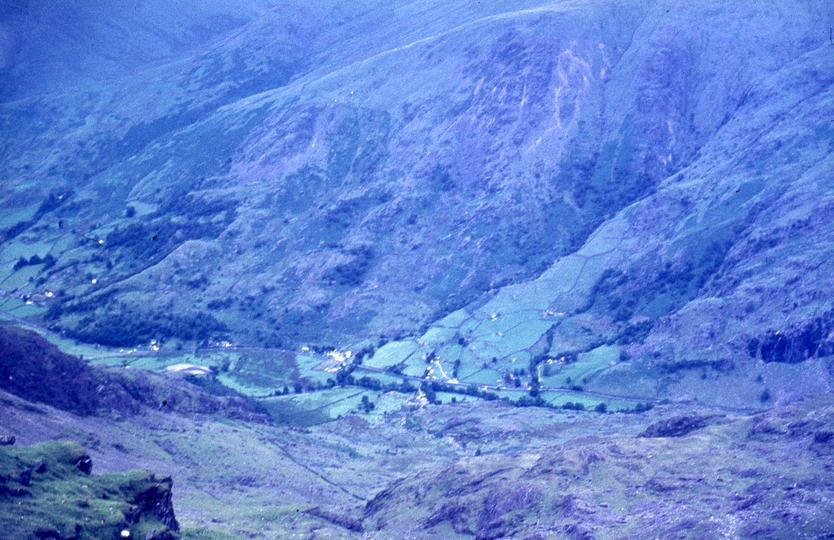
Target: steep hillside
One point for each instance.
(299, 179)
(37, 371)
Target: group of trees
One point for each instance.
(158, 234)
(352, 273)
(366, 404)
(52, 202)
(48, 261)
(129, 328)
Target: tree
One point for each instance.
(366, 404)
(430, 394)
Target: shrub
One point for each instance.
(571, 406)
(643, 407)
(823, 437)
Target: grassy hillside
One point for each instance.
(48, 492)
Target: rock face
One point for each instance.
(61, 500)
(156, 500)
(84, 464)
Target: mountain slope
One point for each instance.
(321, 184)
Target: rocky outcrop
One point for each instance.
(812, 338)
(659, 485)
(56, 497)
(157, 500)
(337, 518)
(679, 426)
(84, 464)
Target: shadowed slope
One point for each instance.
(272, 194)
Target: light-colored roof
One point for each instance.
(188, 369)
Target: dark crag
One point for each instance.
(36, 370)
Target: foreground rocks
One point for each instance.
(688, 476)
(55, 496)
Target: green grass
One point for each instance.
(64, 499)
(587, 365)
(449, 352)
(522, 336)
(21, 277)
(316, 407)
(483, 376)
(28, 310)
(13, 217)
(260, 373)
(384, 378)
(504, 321)
(415, 367)
(468, 368)
(388, 402)
(391, 354)
(560, 398)
(454, 319)
(438, 334)
(447, 397)
(308, 369)
(519, 360)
